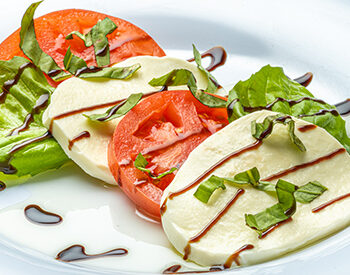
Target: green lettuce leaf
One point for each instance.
(207, 188)
(117, 110)
(310, 191)
(78, 67)
(141, 163)
(267, 86)
(37, 157)
(277, 213)
(180, 77)
(30, 46)
(97, 37)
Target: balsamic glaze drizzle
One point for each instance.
(84, 134)
(304, 79)
(77, 253)
(91, 69)
(307, 128)
(36, 214)
(112, 111)
(323, 206)
(344, 107)
(218, 57)
(103, 52)
(271, 229)
(2, 186)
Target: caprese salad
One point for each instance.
(236, 177)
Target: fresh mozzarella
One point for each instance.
(185, 216)
(75, 93)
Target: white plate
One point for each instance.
(296, 35)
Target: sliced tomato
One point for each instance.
(165, 128)
(51, 29)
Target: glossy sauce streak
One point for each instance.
(305, 79)
(36, 214)
(323, 206)
(197, 181)
(112, 111)
(271, 229)
(84, 134)
(12, 82)
(40, 104)
(206, 229)
(344, 107)
(103, 51)
(2, 186)
(172, 269)
(307, 128)
(77, 253)
(218, 57)
(53, 73)
(304, 165)
(235, 256)
(29, 141)
(91, 69)
(91, 108)
(322, 112)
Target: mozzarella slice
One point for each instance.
(75, 93)
(184, 216)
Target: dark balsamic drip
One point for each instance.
(112, 111)
(12, 82)
(323, 206)
(269, 129)
(91, 108)
(218, 57)
(36, 214)
(54, 73)
(91, 69)
(235, 256)
(271, 229)
(77, 253)
(29, 141)
(7, 168)
(172, 269)
(163, 207)
(307, 128)
(103, 51)
(344, 107)
(84, 134)
(197, 181)
(164, 88)
(214, 221)
(230, 107)
(304, 165)
(39, 105)
(322, 112)
(2, 186)
(305, 79)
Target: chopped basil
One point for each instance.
(97, 37)
(264, 88)
(141, 163)
(180, 77)
(77, 66)
(264, 129)
(30, 47)
(212, 86)
(277, 213)
(207, 188)
(118, 110)
(310, 191)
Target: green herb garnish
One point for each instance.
(141, 163)
(207, 188)
(310, 191)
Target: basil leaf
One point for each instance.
(20, 100)
(141, 163)
(251, 176)
(277, 213)
(212, 86)
(267, 86)
(97, 37)
(264, 129)
(78, 67)
(117, 110)
(207, 188)
(180, 77)
(310, 191)
(30, 47)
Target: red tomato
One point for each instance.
(165, 128)
(51, 29)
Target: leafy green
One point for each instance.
(77, 66)
(212, 87)
(30, 46)
(310, 191)
(141, 163)
(277, 213)
(117, 110)
(97, 37)
(269, 84)
(180, 77)
(37, 157)
(264, 129)
(207, 188)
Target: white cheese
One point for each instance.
(185, 216)
(75, 93)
